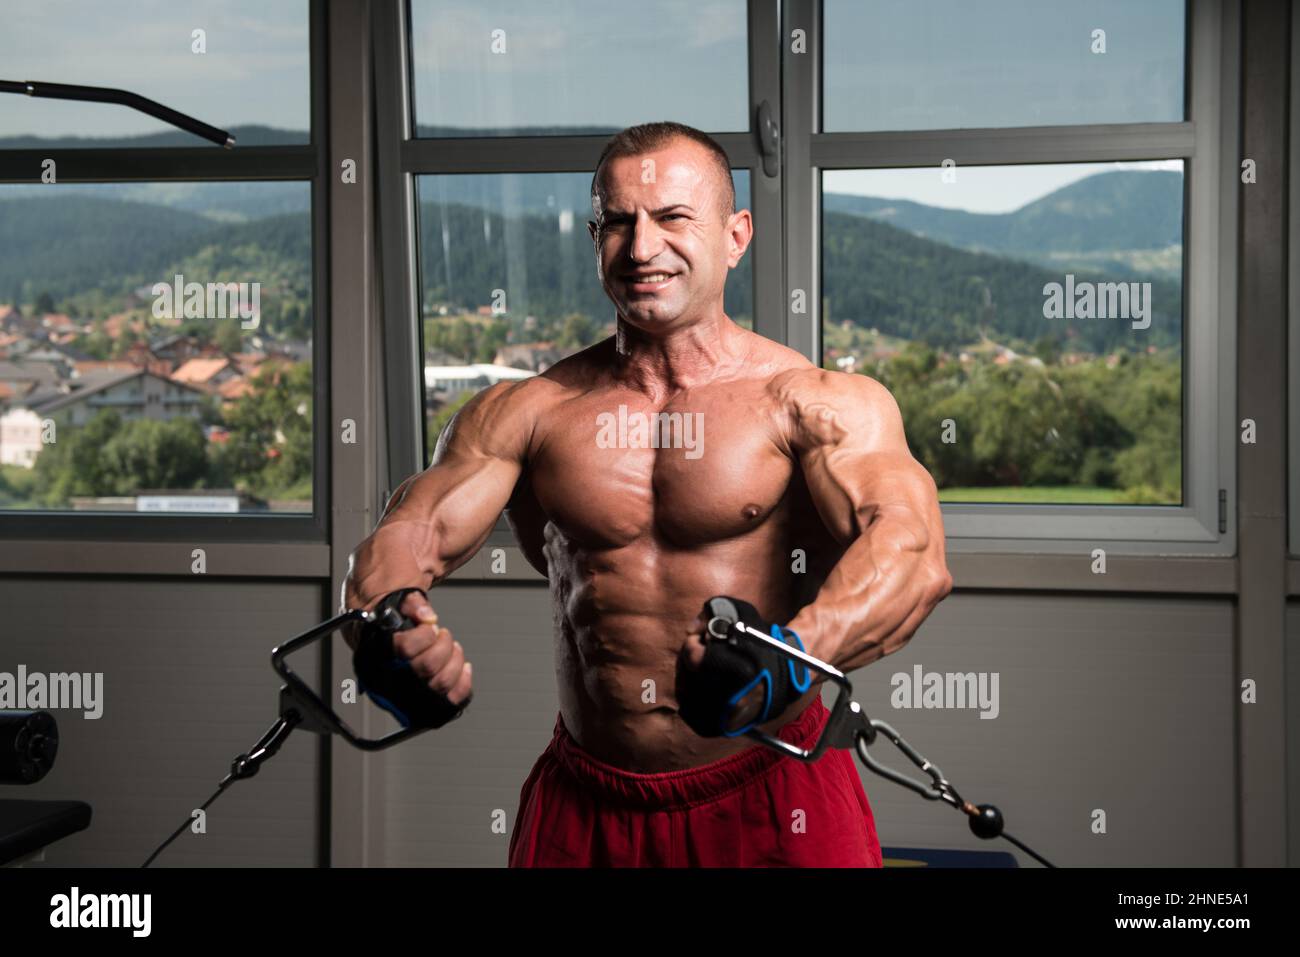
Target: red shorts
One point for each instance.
(756, 808)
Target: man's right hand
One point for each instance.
(434, 655)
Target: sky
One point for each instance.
(255, 70)
(889, 63)
(978, 189)
(521, 63)
(963, 64)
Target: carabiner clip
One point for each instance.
(941, 789)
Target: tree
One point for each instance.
(491, 341)
(149, 453)
(269, 451)
(438, 421)
(125, 340)
(228, 338)
(112, 456)
(71, 464)
(98, 344)
(1048, 348)
(577, 332)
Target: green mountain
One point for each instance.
(878, 276)
(90, 251)
(66, 245)
(1123, 222)
(220, 201)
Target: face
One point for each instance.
(660, 213)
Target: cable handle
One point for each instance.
(849, 727)
(389, 679)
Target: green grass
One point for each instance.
(1038, 494)
(17, 487)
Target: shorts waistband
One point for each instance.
(667, 790)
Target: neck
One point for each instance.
(679, 359)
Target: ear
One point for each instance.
(740, 232)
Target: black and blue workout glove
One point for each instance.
(389, 679)
(733, 666)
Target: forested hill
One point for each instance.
(1127, 221)
(65, 245)
(878, 276)
(88, 252)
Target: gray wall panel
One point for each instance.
(187, 687)
(443, 787)
(1118, 703)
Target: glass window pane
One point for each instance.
(1028, 319)
(577, 67)
(240, 65)
(155, 347)
(953, 64)
(508, 281)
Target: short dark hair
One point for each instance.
(636, 140)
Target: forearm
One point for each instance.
(398, 554)
(887, 582)
(432, 525)
(414, 545)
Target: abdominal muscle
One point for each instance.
(621, 621)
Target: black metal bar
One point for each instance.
(159, 164)
(104, 94)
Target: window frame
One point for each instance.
(1203, 526)
(1293, 304)
(1207, 142)
(305, 163)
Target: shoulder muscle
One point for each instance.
(825, 410)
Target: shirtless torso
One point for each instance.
(633, 540)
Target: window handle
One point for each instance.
(769, 140)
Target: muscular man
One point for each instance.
(780, 484)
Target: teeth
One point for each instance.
(657, 277)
